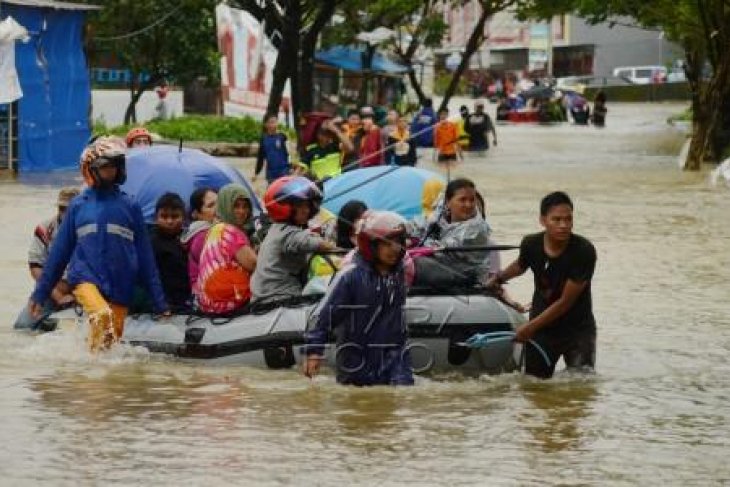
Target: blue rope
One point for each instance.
(481, 340)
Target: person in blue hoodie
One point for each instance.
(364, 308)
(422, 122)
(103, 241)
(272, 151)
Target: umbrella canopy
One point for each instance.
(538, 92)
(154, 171)
(394, 188)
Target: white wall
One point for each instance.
(110, 105)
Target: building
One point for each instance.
(48, 126)
(578, 48)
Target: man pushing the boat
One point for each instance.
(561, 317)
(104, 242)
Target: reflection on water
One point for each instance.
(655, 412)
(561, 406)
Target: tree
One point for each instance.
(157, 40)
(476, 39)
(426, 30)
(298, 24)
(362, 17)
(702, 28)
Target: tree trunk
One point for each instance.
(367, 74)
(698, 144)
(278, 82)
(709, 130)
(293, 28)
(130, 116)
(719, 131)
(306, 76)
(693, 72)
(475, 40)
(309, 46)
(416, 85)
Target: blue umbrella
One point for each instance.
(395, 188)
(154, 171)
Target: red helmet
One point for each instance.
(138, 133)
(379, 225)
(287, 191)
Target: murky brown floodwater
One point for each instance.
(656, 412)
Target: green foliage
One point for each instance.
(685, 116)
(412, 20)
(174, 39)
(196, 128)
(441, 82)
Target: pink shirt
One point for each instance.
(195, 249)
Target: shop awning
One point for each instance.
(350, 59)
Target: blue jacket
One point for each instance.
(424, 119)
(103, 240)
(272, 149)
(365, 310)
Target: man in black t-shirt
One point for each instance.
(561, 317)
(478, 125)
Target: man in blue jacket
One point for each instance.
(422, 125)
(104, 243)
(364, 308)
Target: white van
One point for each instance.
(642, 75)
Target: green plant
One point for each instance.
(685, 116)
(203, 128)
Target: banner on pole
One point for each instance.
(247, 63)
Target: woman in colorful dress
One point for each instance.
(227, 260)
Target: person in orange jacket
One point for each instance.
(446, 139)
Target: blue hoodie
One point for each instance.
(365, 310)
(104, 242)
(424, 119)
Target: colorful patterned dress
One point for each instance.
(223, 284)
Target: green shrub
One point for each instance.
(442, 80)
(205, 128)
(685, 116)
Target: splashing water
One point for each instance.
(721, 174)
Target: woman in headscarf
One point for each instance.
(227, 260)
(202, 217)
(458, 223)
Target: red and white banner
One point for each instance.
(247, 62)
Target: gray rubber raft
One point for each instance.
(437, 325)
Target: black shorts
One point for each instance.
(578, 352)
(447, 157)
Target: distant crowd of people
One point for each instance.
(338, 145)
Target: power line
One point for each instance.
(142, 30)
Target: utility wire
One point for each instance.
(142, 30)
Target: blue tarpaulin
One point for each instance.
(394, 188)
(350, 59)
(53, 114)
(154, 171)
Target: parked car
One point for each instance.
(676, 75)
(642, 75)
(580, 83)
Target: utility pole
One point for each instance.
(549, 48)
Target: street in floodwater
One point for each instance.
(656, 412)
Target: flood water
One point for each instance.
(656, 412)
